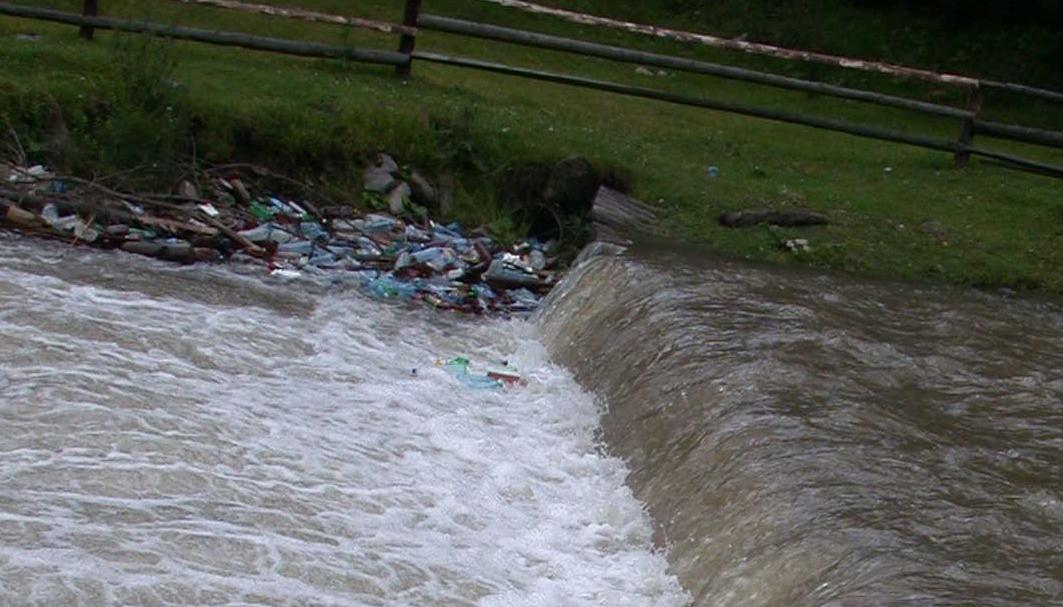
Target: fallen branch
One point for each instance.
(244, 243)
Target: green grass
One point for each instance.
(897, 211)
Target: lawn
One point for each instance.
(896, 211)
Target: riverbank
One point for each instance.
(117, 104)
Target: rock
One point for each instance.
(643, 70)
(387, 163)
(380, 176)
(742, 219)
(422, 191)
(397, 198)
(572, 185)
(934, 228)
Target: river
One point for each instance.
(692, 431)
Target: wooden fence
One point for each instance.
(415, 22)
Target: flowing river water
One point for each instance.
(693, 432)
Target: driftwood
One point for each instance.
(742, 219)
(35, 203)
(24, 210)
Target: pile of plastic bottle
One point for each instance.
(413, 261)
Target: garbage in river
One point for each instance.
(461, 369)
(390, 255)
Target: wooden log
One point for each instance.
(18, 216)
(88, 9)
(741, 45)
(69, 207)
(260, 43)
(407, 43)
(244, 243)
(616, 53)
(306, 15)
(786, 218)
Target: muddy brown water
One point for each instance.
(803, 439)
(694, 431)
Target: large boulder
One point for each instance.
(381, 174)
(572, 185)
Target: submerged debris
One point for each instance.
(228, 218)
(462, 369)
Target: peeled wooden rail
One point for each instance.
(839, 126)
(536, 40)
(260, 43)
(740, 45)
(305, 15)
(616, 53)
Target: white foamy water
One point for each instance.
(181, 436)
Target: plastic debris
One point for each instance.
(461, 369)
(404, 257)
(29, 175)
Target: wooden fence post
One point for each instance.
(408, 41)
(974, 104)
(89, 10)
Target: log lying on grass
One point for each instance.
(743, 219)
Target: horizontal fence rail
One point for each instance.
(1022, 89)
(260, 43)
(414, 22)
(504, 34)
(305, 15)
(755, 48)
(779, 52)
(1025, 134)
(839, 126)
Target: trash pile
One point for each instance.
(407, 257)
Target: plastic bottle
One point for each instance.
(267, 232)
(313, 231)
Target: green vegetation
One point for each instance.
(897, 211)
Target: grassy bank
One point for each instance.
(896, 211)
